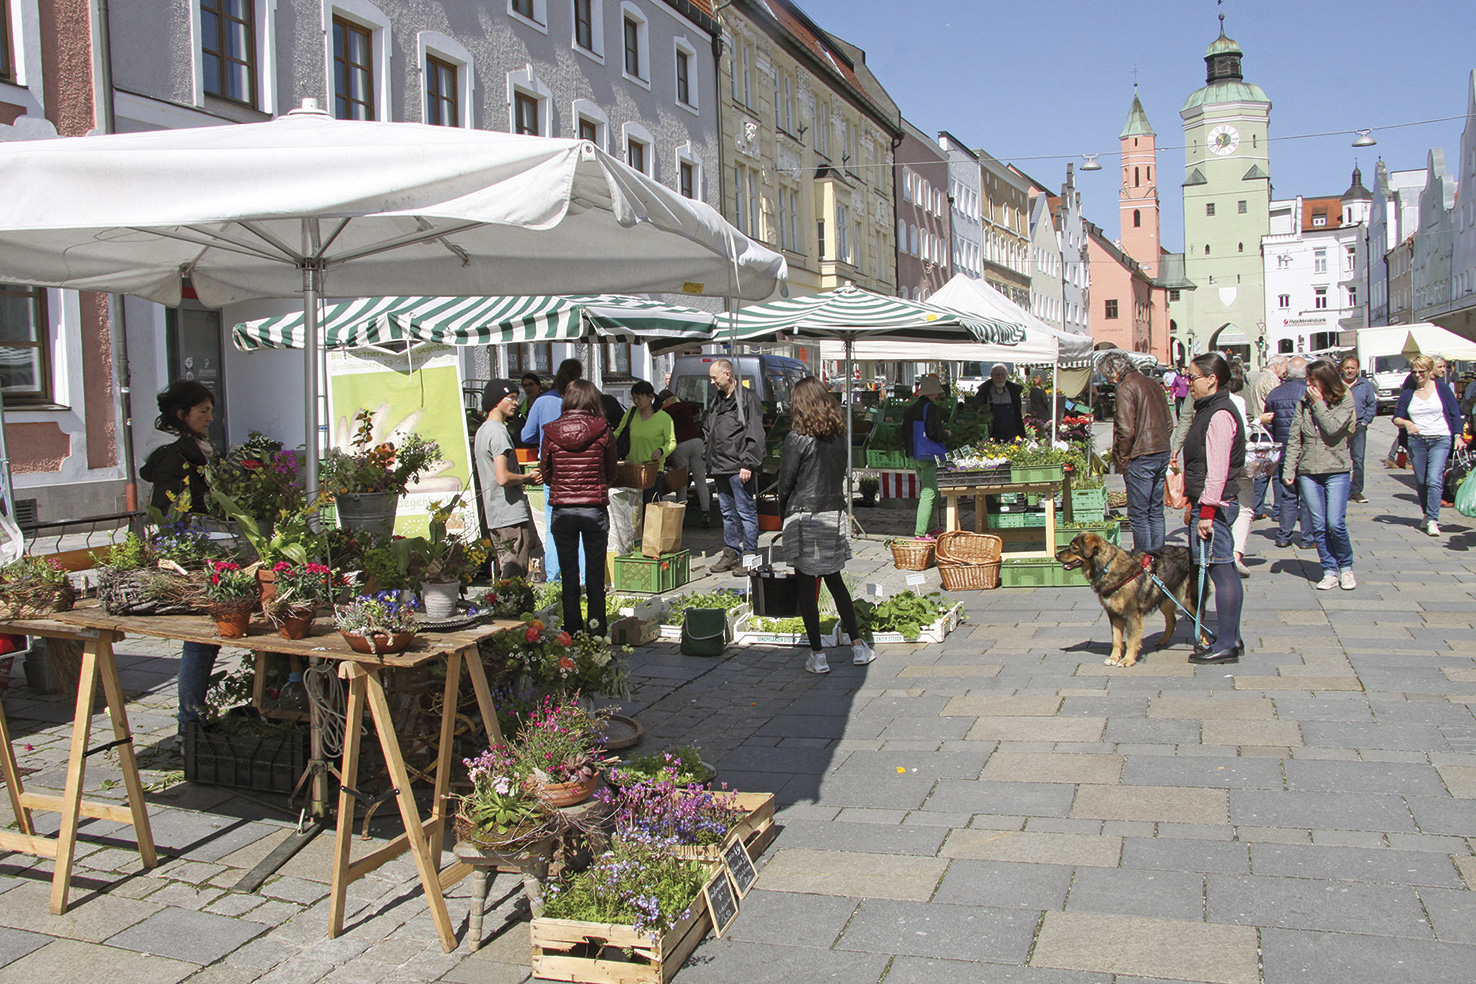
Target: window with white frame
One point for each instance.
(842, 234)
(789, 217)
(591, 123)
(848, 145)
(689, 172)
(227, 47)
(784, 101)
(446, 95)
(532, 12)
(1319, 298)
(1319, 261)
(528, 101)
(1283, 301)
(635, 44)
(589, 36)
(821, 125)
(637, 145)
(685, 66)
(25, 344)
(746, 200)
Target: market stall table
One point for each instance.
(98, 631)
(1047, 490)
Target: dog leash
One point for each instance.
(1198, 628)
(1204, 555)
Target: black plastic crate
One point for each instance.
(268, 764)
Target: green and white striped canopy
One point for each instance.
(851, 313)
(394, 321)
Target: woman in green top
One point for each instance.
(652, 433)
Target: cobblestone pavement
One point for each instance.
(999, 807)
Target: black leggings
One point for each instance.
(809, 605)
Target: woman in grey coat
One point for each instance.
(1318, 459)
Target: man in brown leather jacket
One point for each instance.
(1140, 446)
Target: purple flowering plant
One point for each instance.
(634, 883)
(666, 814)
(500, 802)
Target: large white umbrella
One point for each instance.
(269, 209)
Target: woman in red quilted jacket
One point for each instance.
(578, 462)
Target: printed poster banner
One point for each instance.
(415, 392)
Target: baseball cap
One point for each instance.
(493, 393)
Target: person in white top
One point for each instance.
(1429, 414)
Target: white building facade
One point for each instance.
(966, 206)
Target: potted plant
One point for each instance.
(262, 478)
(378, 623)
(635, 887)
(557, 744)
(502, 811)
(233, 594)
(33, 587)
(442, 562)
(366, 481)
(555, 661)
(300, 592)
(870, 487)
(163, 576)
(509, 597)
(683, 766)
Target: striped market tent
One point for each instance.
(392, 322)
(850, 313)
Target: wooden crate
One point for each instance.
(571, 950)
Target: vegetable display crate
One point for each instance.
(747, 635)
(1037, 473)
(936, 632)
(604, 953)
(652, 575)
(888, 459)
(736, 617)
(955, 479)
(1111, 532)
(1015, 521)
(885, 433)
(267, 764)
(1042, 573)
(1088, 502)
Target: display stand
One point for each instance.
(1047, 490)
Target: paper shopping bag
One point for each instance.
(663, 532)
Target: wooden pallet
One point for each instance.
(594, 953)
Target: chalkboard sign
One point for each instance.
(740, 866)
(721, 902)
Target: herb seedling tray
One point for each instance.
(746, 635)
(936, 632)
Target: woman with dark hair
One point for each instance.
(1214, 456)
(186, 409)
(812, 500)
(1318, 459)
(652, 433)
(578, 465)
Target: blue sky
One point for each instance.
(1052, 78)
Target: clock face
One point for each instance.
(1223, 140)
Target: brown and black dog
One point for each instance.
(1127, 592)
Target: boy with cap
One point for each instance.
(504, 506)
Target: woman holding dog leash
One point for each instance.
(1319, 461)
(1214, 456)
(812, 500)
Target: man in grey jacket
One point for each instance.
(734, 429)
(1366, 406)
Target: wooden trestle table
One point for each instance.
(1047, 490)
(98, 632)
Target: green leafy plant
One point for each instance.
(292, 536)
(559, 661)
(370, 467)
(686, 763)
(260, 476)
(130, 555)
(230, 583)
(677, 609)
(510, 597)
(501, 802)
(870, 487)
(442, 557)
(794, 625)
(635, 883)
(906, 612)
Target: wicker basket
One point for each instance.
(969, 577)
(963, 547)
(149, 592)
(911, 555)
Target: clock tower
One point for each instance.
(1227, 205)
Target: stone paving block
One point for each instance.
(183, 934)
(1041, 705)
(1349, 838)
(1162, 731)
(1352, 707)
(1144, 892)
(1181, 950)
(1037, 729)
(1005, 884)
(899, 792)
(1354, 864)
(1319, 904)
(1004, 798)
(1459, 779)
(15, 944)
(1050, 767)
(1063, 825)
(1441, 815)
(924, 970)
(78, 962)
(971, 932)
(771, 917)
(853, 873)
(1009, 845)
(1414, 738)
(90, 917)
(728, 960)
(858, 815)
(1172, 803)
(1161, 666)
(1174, 854)
(1466, 865)
(1213, 708)
(1349, 958)
(1282, 733)
(1217, 771)
(842, 836)
(922, 762)
(1370, 777)
(950, 670)
(1346, 811)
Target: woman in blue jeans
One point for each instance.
(1319, 461)
(177, 471)
(1431, 417)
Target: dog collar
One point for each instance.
(1146, 564)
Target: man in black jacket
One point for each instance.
(1282, 402)
(734, 430)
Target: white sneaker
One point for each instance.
(1346, 581)
(1433, 529)
(815, 663)
(861, 653)
(1328, 582)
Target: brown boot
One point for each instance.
(726, 562)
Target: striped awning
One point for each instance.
(850, 313)
(392, 322)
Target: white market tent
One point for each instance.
(273, 209)
(1433, 340)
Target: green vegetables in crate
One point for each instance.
(906, 612)
(677, 609)
(794, 626)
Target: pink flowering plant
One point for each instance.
(230, 583)
(501, 803)
(557, 741)
(301, 590)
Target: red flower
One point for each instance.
(531, 635)
(566, 664)
(565, 638)
(250, 465)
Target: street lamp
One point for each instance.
(1091, 163)
(1365, 139)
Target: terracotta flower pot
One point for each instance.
(294, 626)
(558, 794)
(231, 623)
(266, 579)
(380, 643)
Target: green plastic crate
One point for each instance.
(1038, 574)
(1037, 473)
(888, 459)
(652, 575)
(1088, 503)
(1111, 532)
(1015, 521)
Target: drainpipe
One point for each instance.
(103, 58)
(717, 92)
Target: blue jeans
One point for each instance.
(1358, 446)
(1326, 498)
(1427, 456)
(1144, 480)
(571, 528)
(1289, 509)
(196, 661)
(1258, 489)
(551, 563)
(740, 513)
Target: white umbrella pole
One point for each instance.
(1055, 385)
(311, 284)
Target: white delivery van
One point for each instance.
(1383, 354)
